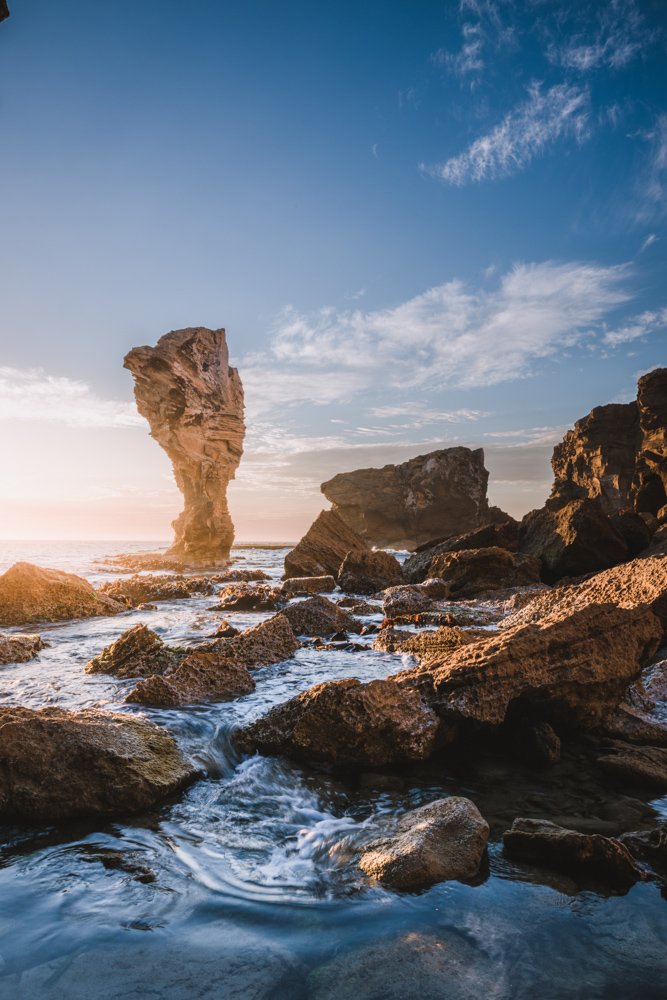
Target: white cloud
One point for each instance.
(648, 242)
(645, 323)
(618, 37)
(32, 394)
(562, 112)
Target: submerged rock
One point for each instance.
(440, 841)
(60, 765)
(402, 506)
(590, 857)
(366, 572)
(297, 585)
(136, 653)
(475, 571)
(323, 548)
(318, 616)
(19, 648)
(32, 594)
(346, 722)
(193, 402)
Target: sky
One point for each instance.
(421, 224)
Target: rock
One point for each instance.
(447, 965)
(244, 597)
(426, 645)
(571, 539)
(319, 617)
(648, 845)
(633, 726)
(637, 765)
(501, 536)
(59, 765)
(391, 640)
(475, 571)
(366, 572)
(139, 589)
(225, 630)
(572, 669)
(193, 402)
(536, 743)
(219, 670)
(356, 607)
(402, 506)
(405, 600)
(323, 548)
(4, 10)
(639, 583)
(346, 722)
(443, 840)
(619, 452)
(297, 585)
(32, 594)
(586, 856)
(138, 652)
(634, 530)
(19, 648)
(434, 588)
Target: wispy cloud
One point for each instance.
(32, 394)
(562, 112)
(648, 242)
(636, 327)
(482, 28)
(619, 35)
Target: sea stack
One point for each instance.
(193, 402)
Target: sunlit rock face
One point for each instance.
(403, 506)
(618, 452)
(193, 402)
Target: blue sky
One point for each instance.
(421, 224)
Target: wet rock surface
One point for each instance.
(136, 653)
(405, 600)
(323, 548)
(140, 589)
(298, 585)
(318, 616)
(443, 840)
(250, 597)
(33, 594)
(19, 648)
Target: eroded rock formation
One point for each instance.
(193, 402)
(402, 506)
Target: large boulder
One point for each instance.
(219, 671)
(318, 616)
(504, 535)
(587, 857)
(193, 402)
(402, 506)
(138, 652)
(572, 669)
(347, 722)
(440, 841)
(475, 571)
(323, 548)
(59, 765)
(19, 648)
(366, 572)
(32, 594)
(571, 539)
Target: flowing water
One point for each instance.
(246, 886)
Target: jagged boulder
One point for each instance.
(323, 548)
(32, 594)
(475, 571)
(59, 765)
(366, 572)
(318, 616)
(571, 539)
(587, 857)
(193, 402)
(19, 648)
(405, 600)
(138, 652)
(346, 722)
(443, 840)
(402, 506)
(504, 535)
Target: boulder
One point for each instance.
(405, 600)
(440, 841)
(402, 506)
(193, 402)
(138, 652)
(648, 845)
(504, 535)
(573, 669)
(633, 726)
(219, 670)
(297, 585)
(249, 597)
(571, 539)
(366, 572)
(323, 548)
(19, 648)
(318, 616)
(586, 857)
(59, 765)
(346, 722)
(427, 645)
(140, 589)
(645, 766)
(476, 571)
(32, 594)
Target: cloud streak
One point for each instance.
(33, 395)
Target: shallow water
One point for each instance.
(246, 885)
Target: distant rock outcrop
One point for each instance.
(403, 506)
(193, 402)
(618, 452)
